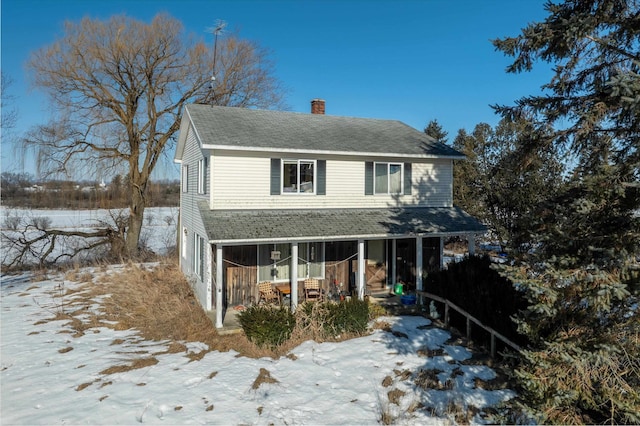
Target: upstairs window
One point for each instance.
(298, 176)
(185, 178)
(388, 178)
(202, 176)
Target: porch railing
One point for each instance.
(469, 319)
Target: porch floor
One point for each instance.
(230, 321)
(392, 303)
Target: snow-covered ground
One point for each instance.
(49, 375)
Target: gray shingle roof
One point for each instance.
(251, 226)
(242, 128)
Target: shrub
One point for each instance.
(267, 326)
(347, 316)
(329, 320)
(41, 222)
(12, 222)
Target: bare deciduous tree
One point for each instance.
(118, 88)
(8, 113)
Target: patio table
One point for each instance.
(283, 290)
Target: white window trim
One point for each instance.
(198, 248)
(298, 161)
(388, 164)
(185, 178)
(202, 173)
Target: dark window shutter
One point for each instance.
(407, 178)
(368, 178)
(275, 176)
(321, 178)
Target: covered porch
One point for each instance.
(349, 251)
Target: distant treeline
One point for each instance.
(21, 190)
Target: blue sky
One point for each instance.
(412, 61)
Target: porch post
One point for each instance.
(208, 278)
(441, 253)
(394, 273)
(294, 276)
(219, 286)
(360, 279)
(419, 263)
(472, 244)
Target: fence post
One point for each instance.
(468, 329)
(493, 345)
(446, 313)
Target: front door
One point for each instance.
(405, 262)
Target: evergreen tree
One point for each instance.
(498, 186)
(582, 278)
(435, 130)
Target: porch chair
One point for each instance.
(266, 292)
(312, 291)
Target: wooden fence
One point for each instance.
(469, 319)
(242, 285)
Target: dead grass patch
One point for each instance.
(196, 356)
(428, 379)
(387, 381)
(395, 396)
(402, 374)
(83, 386)
(213, 374)
(65, 350)
(430, 353)
(263, 377)
(78, 275)
(135, 364)
(102, 398)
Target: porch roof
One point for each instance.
(232, 227)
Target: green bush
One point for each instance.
(348, 316)
(267, 326)
(329, 320)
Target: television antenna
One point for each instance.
(216, 30)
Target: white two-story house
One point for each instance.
(279, 196)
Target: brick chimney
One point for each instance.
(317, 106)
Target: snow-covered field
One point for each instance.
(158, 233)
(49, 375)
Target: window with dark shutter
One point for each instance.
(321, 178)
(275, 176)
(368, 178)
(407, 178)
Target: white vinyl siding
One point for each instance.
(191, 221)
(242, 181)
